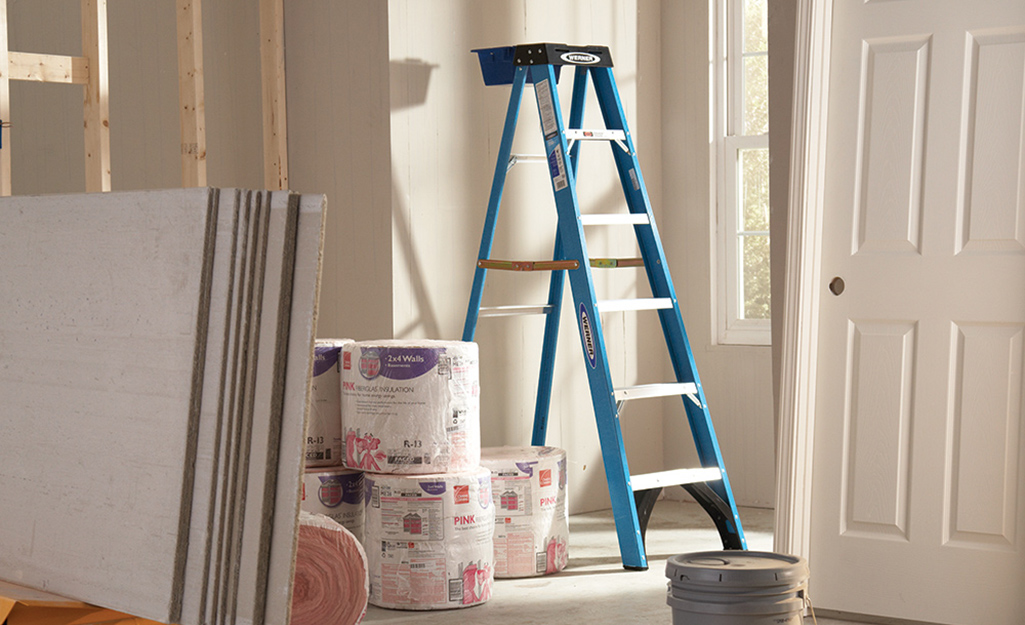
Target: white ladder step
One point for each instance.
(600, 134)
(614, 219)
(674, 477)
(525, 158)
(644, 303)
(642, 391)
(508, 311)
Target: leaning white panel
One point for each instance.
(309, 243)
(99, 311)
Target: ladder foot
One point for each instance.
(644, 501)
(635, 568)
(720, 512)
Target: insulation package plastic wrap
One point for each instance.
(411, 406)
(324, 432)
(331, 577)
(337, 493)
(531, 509)
(429, 539)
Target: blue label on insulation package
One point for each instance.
(325, 357)
(433, 488)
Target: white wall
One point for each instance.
(336, 65)
(389, 117)
(444, 145)
(737, 379)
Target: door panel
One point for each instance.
(919, 481)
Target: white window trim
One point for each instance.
(730, 328)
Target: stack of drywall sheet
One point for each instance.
(155, 358)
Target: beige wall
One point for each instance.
(444, 145)
(336, 65)
(388, 115)
(737, 379)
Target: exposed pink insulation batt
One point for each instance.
(331, 580)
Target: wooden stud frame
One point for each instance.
(272, 64)
(191, 99)
(88, 70)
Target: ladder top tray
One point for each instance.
(498, 65)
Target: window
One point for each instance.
(742, 199)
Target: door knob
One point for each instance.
(836, 285)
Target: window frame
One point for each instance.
(731, 328)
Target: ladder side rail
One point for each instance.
(589, 322)
(710, 455)
(549, 350)
(494, 201)
(657, 269)
(576, 112)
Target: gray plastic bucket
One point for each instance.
(736, 588)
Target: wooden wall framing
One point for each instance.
(191, 101)
(88, 70)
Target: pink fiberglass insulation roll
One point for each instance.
(411, 407)
(331, 575)
(531, 509)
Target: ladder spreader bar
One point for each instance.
(675, 477)
(527, 265)
(646, 303)
(668, 389)
(614, 219)
(508, 311)
(612, 263)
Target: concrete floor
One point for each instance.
(595, 589)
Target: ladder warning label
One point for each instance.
(557, 167)
(545, 106)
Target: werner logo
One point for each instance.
(466, 520)
(580, 58)
(588, 337)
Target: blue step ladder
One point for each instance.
(633, 496)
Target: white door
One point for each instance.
(918, 500)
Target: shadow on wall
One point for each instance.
(409, 81)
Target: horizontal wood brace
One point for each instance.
(72, 70)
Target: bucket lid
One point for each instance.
(736, 568)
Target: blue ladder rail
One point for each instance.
(632, 496)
